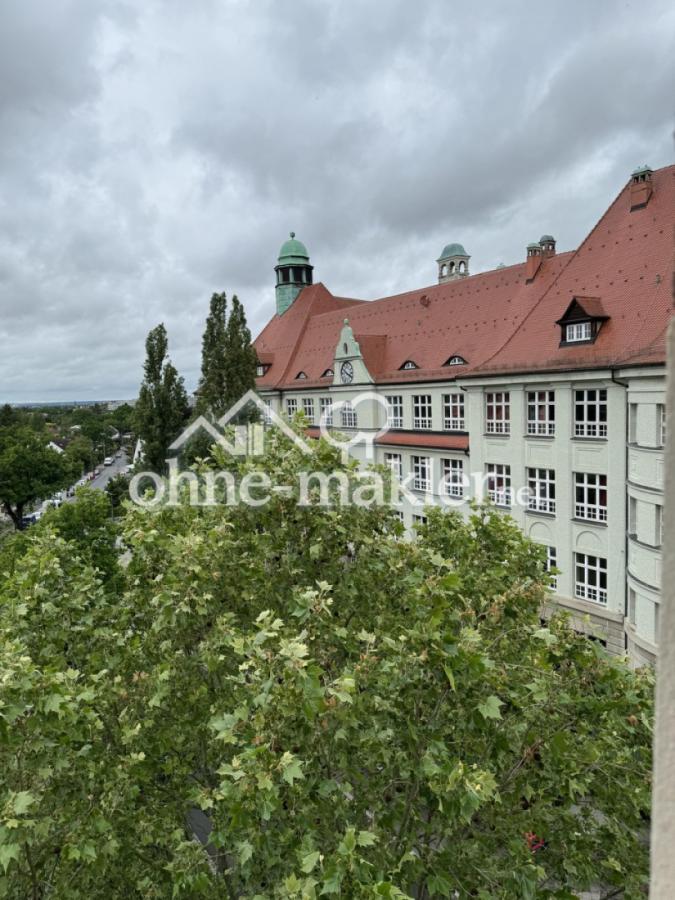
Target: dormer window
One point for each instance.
(409, 364)
(300, 376)
(581, 331)
(261, 369)
(455, 361)
(581, 321)
(328, 373)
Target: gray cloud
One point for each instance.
(153, 153)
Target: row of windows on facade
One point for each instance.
(590, 413)
(590, 572)
(590, 489)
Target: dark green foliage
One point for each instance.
(162, 407)
(29, 470)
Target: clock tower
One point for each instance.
(294, 272)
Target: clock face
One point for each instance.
(346, 372)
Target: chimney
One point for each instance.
(641, 187)
(533, 262)
(547, 244)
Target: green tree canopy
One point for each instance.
(332, 709)
(29, 470)
(162, 407)
(228, 357)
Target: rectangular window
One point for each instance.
(632, 423)
(541, 490)
(632, 516)
(421, 466)
(419, 520)
(308, 408)
(541, 412)
(453, 477)
(579, 331)
(291, 406)
(658, 525)
(348, 415)
(267, 412)
(422, 411)
(259, 371)
(590, 578)
(395, 463)
(394, 411)
(552, 563)
(631, 606)
(326, 406)
(453, 412)
(498, 413)
(499, 483)
(662, 424)
(590, 497)
(590, 413)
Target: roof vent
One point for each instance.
(641, 187)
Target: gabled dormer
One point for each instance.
(581, 321)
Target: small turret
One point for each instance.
(453, 263)
(294, 272)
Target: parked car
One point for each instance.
(108, 461)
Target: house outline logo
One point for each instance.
(249, 438)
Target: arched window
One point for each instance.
(444, 270)
(462, 266)
(451, 268)
(328, 373)
(409, 364)
(455, 360)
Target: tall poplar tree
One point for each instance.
(162, 407)
(212, 392)
(228, 357)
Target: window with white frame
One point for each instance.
(291, 406)
(453, 412)
(590, 578)
(421, 466)
(590, 413)
(308, 408)
(395, 463)
(348, 415)
(541, 412)
(394, 411)
(326, 407)
(632, 516)
(578, 331)
(418, 519)
(453, 477)
(662, 424)
(499, 483)
(590, 496)
(422, 411)
(259, 370)
(498, 412)
(267, 412)
(552, 563)
(541, 490)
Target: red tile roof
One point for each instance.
(419, 439)
(495, 320)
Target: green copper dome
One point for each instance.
(293, 251)
(453, 250)
(546, 238)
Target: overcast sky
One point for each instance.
(155, 151)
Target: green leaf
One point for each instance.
(292, 772)
(22, 802)
(366, 839)
(490, 709)
(244, 851)
(9, 852)
(309, 861)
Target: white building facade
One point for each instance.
(562, 426)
